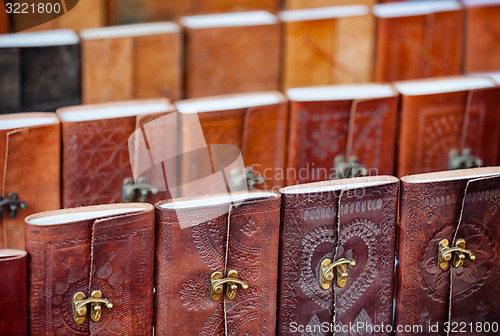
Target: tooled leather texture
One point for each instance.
(111, 254)
(14, 293)
(312, 231)
(186, 257)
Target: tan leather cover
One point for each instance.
(419, 46)
(232, 60)
(29, 166)
(322, 52)
(433, 125)
(111, 253)
(300, 4)
(352, 221)
(244, 239)
(447, 205)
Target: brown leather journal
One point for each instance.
(300, 4)
(30, 151)
(337, 256)
(440, 118)
(91, 270)
(448, 250)
(4, 19)
(95, 151)
(418, 39)
(14, 292)
(318, 46)
(131, 62)
(217, 264)
(252, 126)
(231, 53)
(331, 123)
(482, 35)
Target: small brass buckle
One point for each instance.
(458, 252)
(232, 281)
(80, 306)
(131, 189)
(463, 161)
(13, 204)
(326, 272)
(350, 168)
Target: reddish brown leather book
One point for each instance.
(103, 254)
(231, 53)
(14, 292)
(458, 205)
(131, 62)
(4, 20)
(446, 114)
(482, 35)
(349, 120)
(95, 149)
(300, 4)
(418, 39)
(318, 46)
(202, 240)
(30, 151)
(351, 222)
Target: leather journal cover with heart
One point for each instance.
(14, 292)
(95, 150)
(231, 53)
(131, 62)
(337, 255)
(253, 124)
(217, 264)
(418, 39)
(40, 70)
(30, 173)
(448, 120)
(331, 124)
(448, 268)
(318, 46)
(91, 270)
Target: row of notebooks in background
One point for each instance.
(246, 52)
(267, 262)
(150, 149)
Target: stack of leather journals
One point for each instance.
(131, 62)
(319, 49)
(418, 39)
(40, 71)
(231, 53)
(443, 118)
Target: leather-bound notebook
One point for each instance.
(447, 114)
(131, 62)
(318, 46)
(95, 151)
(448, 250)
(231, 53)
(217, 264)
(14, 292)
(4, 20)
(337, 256)
(301, 4)
(91, 270)
(40, 70)
(418, 39)
(330, 122)
(30, 159)
(252, 127)
(482, 35)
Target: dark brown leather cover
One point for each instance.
(432, 125)
(14, 293)
(350, 221)
(4, 19)
(96, 154)
(430, 210)
(30, 159)
(111, 253)
(187, 252)
(419, 46)
(320, 130)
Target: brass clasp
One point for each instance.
(232, 281)
(13, 204)
(459, 253)
(348, 169)
(464, 160)
(130, 189)
(80, 306)
(326, 272)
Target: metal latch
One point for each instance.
(95, 300)
(326, 272)
(142, 188)
(350, 168)
(464, 161)
(459, 252)
(232, 282)
(13, 204)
